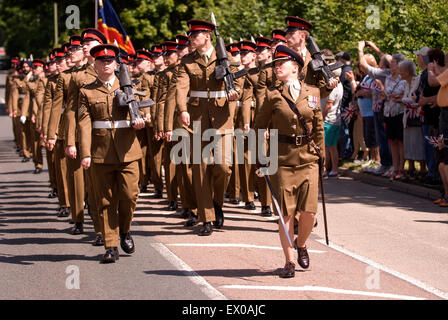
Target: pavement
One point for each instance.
(384, 244)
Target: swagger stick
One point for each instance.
(321, 181)
(276, 206)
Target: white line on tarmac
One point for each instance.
(235, 216)
(231, 245)
(205, 287)
(323, 289)
(383, 268)
(165, 213)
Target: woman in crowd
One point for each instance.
(412, 137)
(393, 114)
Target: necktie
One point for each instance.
(293, 91)
(205, 57)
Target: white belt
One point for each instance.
(208, 94)
(22, 96)
(240, 104)
(111, 124)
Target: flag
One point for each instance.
(109, 24)
(434, 141)
(348, 113)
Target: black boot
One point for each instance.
(219, 215)
(127, 243)
(78, 229)
(206, 229)
(111, 255)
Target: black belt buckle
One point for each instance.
(298, 140)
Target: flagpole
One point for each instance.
(55, 12)
(96, 14)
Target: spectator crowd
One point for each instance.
(389, 116)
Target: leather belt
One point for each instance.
(208, 94)
(111, 124)
(297, 140)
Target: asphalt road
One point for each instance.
(383, 245)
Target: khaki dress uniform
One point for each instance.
(172, 121)
(17, 96)
(142, 135)
(44, 118)
(56, 130)
(296, 182)
(251, 97)
(82, 179)
(8, 102)
(30, 109)
(106, 137)
(155, 146)
(243, 115)
(169, 167)
(208, 105)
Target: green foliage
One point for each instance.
(404, 25)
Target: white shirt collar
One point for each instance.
(110, 82)
(209, 52)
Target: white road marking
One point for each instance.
(2, 100)
(205, 287)
(235, 216)
(231, 245)
(165, 213)
(323, 289)
(383, 268)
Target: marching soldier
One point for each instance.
(29, 110)
(142, 65)
(44, 116)
(233, 189)
(172, 121)
(18, 93)
(56, 130)
(295, 183)
(171, 59)
(297, 32)
(12, 74)
(263, 57)
(109, 145)
(211, 106)
(243, 120)
(82, 76)
(267, 78)
(154, 136)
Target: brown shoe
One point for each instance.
(289, 271)
(303, 259)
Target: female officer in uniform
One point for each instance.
(295, 184)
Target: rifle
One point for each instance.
(126, 96)
(318, 64)
(222, 69)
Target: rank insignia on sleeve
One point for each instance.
(313, 102)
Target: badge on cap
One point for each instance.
(313, 102)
